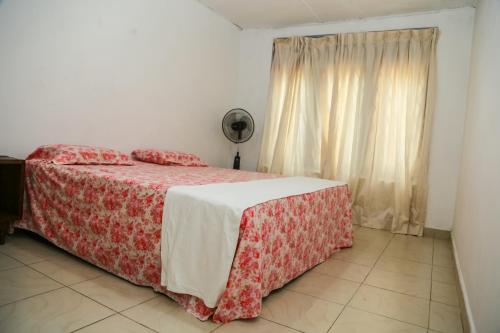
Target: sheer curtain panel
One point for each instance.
(357, 107)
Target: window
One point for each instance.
(356, 107)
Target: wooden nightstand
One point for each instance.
(11, 193)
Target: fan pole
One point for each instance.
(236, 163)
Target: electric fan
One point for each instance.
(238, 127)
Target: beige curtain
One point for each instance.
(356, 107)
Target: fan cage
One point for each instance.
(226, 126)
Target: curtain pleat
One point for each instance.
(356, 107)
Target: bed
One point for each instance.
(111, 216)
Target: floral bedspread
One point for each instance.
(111, 216)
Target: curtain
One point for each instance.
(356, 107)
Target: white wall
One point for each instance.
(116, 73)
(476, 230)
(453, 63)
(130, 73)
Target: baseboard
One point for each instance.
(437, 233)
(467, 318)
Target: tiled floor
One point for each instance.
(385, 283)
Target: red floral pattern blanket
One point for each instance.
(111, 216)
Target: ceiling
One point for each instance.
(280, 13)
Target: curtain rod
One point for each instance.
(333, 34)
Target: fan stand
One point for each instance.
(236, 163)
(238, 127)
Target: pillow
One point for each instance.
(76, 154)
(167, 157)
